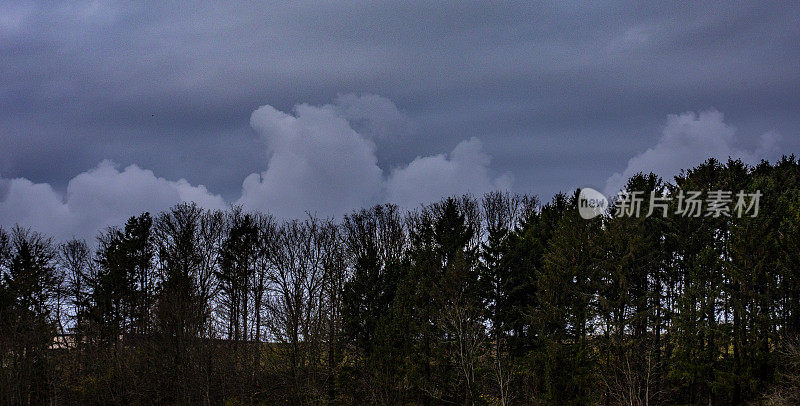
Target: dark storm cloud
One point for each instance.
(559, 96)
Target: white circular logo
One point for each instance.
(591, 203)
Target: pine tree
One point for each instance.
(565, 320)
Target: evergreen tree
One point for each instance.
(565, 320)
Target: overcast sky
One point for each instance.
(108, 108)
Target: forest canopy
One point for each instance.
(477, 300)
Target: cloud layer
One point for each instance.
(323, 160)
(560, 94)
(317, 162)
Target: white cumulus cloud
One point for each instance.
(320, 159)
(426, 179)
(318, 163)
(100, 197)
(687, 140)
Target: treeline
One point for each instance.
(493, 300)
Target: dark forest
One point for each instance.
(498, 299)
